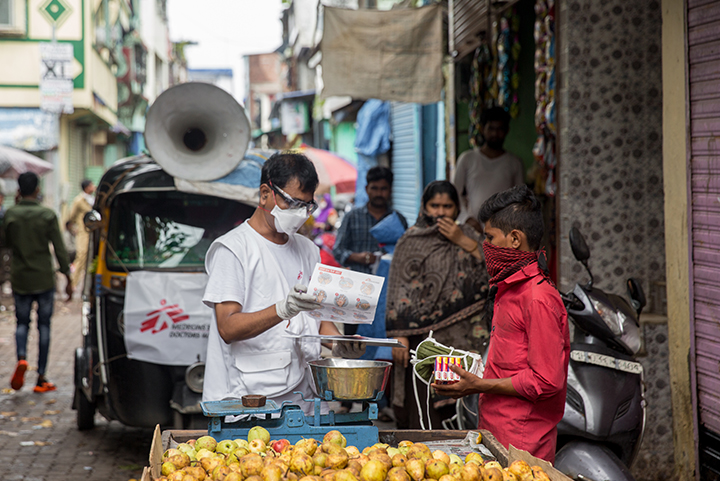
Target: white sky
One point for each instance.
(225, 31)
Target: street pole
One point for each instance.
(450, 94)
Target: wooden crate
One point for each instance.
(162, 441)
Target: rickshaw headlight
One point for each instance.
(194, 376)
(118, 282)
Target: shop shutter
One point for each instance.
(406, 158)
(704, 112)
(76, 162)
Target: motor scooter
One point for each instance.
(601, 430)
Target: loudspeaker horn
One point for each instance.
(197, 131)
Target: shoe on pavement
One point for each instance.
(18, 378)
(45, 386)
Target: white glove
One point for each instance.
(348, 350)
(296, 302)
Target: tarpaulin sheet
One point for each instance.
(387, 55)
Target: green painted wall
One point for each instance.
(343, 141)
(522, 134)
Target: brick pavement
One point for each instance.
(58, 452)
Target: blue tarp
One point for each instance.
(372, 137)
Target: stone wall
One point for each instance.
(610, 174)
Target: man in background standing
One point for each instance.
(29, 229)
(355, 247)
(483, 172)
(81, 205)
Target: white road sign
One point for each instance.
(56, 79)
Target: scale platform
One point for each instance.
(288, 421)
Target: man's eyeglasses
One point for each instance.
(294, 203)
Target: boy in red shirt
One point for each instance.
(522, 392)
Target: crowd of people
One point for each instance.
(470, 270)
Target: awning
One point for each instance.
(14, 162)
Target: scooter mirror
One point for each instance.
(92, 220)
(636, 293)
(578, 245)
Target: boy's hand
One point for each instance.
(468, 384)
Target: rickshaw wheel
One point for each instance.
(85, 412)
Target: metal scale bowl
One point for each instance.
(335, 380)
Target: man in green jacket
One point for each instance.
(29, 230)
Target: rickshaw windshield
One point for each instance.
(168, 229)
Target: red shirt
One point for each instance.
(530, 344)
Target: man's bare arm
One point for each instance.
(235, 325)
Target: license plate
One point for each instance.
(606, 361)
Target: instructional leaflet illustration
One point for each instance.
(346, 296)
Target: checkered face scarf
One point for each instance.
(502, 262)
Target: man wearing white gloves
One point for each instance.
(258, 274)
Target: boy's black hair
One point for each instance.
(85, 183)
(379, 173)
(495, 114)
(28, 183)
(283, 167)
(440, 187)
(515, 208)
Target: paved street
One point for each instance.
(39, 438)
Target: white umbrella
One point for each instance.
(14, 162)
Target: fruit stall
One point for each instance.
(253, 439)
(401, 455)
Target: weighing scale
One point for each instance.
(288, 421)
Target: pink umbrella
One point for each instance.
(332, 169)
(14, 162)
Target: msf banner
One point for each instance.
(165, 319)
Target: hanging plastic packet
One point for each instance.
(423, 360)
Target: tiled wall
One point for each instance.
(610, 172)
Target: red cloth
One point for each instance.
(326, 256)
(529, 343)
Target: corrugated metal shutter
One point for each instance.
(406, 158)
(704, 82)
(76, 161)
(470, 19)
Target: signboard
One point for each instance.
(28, 129)
(294, 117)
(56, 80)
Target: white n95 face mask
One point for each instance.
(289, 221)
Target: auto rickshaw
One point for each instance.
(158, 214)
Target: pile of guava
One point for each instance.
(258, 458)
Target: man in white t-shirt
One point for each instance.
(482, 172)
(258, 273)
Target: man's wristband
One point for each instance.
(367, 258)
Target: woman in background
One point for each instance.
(438, 282)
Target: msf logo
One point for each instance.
(162, 316)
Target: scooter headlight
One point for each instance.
(611, 317)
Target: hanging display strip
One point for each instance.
(545, 111)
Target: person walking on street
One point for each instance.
(29, 229)
(82, 204)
